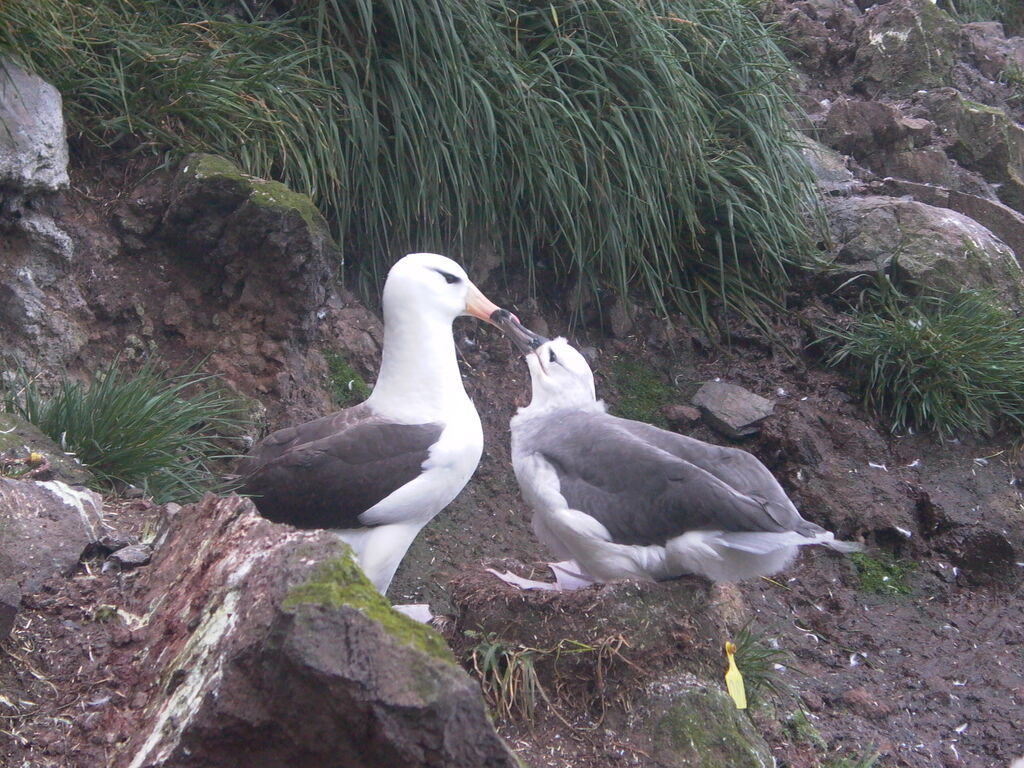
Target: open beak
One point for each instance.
(479, 306)
(525, 339)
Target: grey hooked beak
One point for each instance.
(525, 339)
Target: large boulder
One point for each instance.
(934, 247)
(33, 143)
(983, 139)
(45, 527)
(903, 46)
(1001, 220)
(267, 646)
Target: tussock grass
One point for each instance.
(631, 146)
(158, 431)
(757, 661)
(936, 363)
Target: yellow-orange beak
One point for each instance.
(480, 306)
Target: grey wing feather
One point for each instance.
(739, 469)
(326, 473)
(641, 492)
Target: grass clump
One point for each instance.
(628, 145)
(882, 575)
(935, 363)
(507, 674)
(162, 432)
(760, 663)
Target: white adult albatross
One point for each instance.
(376, 473)
(621, 499)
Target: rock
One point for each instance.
(983, 139)
(903, 46)
(730, 409)
(130, 556)
(267, 646)
(680, 417)
(934, 247)
(44, 528)
(222, 216)
(702, 727)
(19, 438)
(1001, 220)
(988, 48)
(829, 167)
(863, 128)
(930, 166)
(33, 143)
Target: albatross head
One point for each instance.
(560, 376)
(435, 288)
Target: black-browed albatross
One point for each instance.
(621, 499)
(376, 473)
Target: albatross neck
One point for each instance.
(419, 375)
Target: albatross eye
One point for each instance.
(449, 277)
(551, 356)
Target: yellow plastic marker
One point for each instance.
(35, 458)
(733, 678)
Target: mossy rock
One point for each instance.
(904, 46)
(702, 728)
(19, 438)
(262, 192)
(340, 582)
(983, 139)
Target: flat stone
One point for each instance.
(730, 409)
(131, 556)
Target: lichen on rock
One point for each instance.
(339, 581)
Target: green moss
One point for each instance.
(340, 582)
(802, 730)
(642, 392)
(882, 575)
(271, 194)
(704, 728)
(345, 384)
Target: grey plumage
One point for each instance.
(669, 483)
(625, 499)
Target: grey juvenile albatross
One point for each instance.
(379, 471)
(626, 500)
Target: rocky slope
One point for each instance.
(915, 132)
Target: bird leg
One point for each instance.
(567, 578)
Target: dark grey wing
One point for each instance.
(283, 440)
(641, 493)
(329, 482)
(739, 469)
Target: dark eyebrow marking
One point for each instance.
(448, 276)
